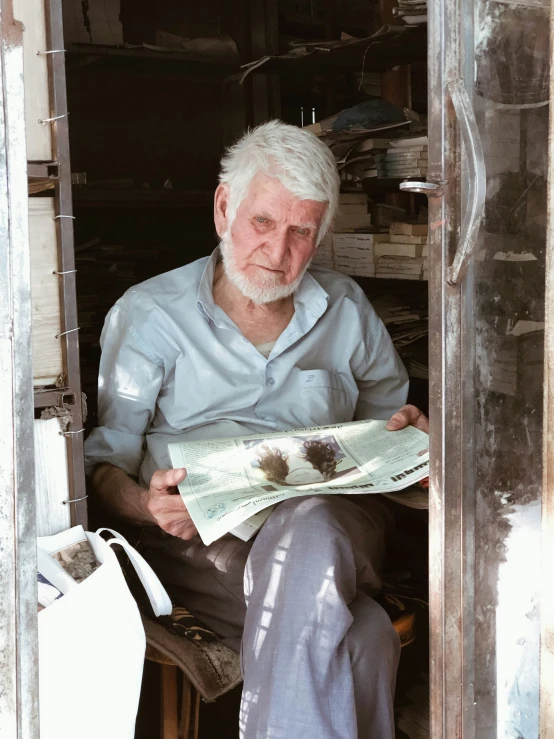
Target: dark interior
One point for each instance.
(147, 131)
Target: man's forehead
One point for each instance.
(268, 192)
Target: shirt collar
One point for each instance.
(310, 299)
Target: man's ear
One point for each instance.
(221, 209)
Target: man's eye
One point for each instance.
(261, 219)
(303, 231)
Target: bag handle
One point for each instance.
(157, 594)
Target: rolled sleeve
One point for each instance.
(129, 382)
(381, 377)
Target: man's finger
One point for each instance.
(163, 479)
(409, 415)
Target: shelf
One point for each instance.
(114, 58)
(85, 197)
(389, 47)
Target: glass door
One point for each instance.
(487, 187)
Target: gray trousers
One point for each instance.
(319, 655)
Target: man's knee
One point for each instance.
(313, 513)
(372, 634)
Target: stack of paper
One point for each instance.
(407, 157)
(407, 323)
(369, 82)
(384, 215)
(354, 253)
(364, 160)
(353, 213)
(412, 12)
(324, 256)
(403, 257)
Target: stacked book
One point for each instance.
(324, 256)
(353, 213)
(384, 215)
(364, 160)
(354, 253)
(405, 255)
(412, 12)
(407, 157)
(369, 82)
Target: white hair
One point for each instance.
(297, 158)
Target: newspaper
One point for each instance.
(231, 480)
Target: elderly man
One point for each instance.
(247, 341)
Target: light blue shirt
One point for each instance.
(175, 367)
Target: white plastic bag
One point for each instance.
(91, 648)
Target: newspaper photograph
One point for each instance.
(233, 479)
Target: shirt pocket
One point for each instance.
(322, 398)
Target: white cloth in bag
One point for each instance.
(91, 649)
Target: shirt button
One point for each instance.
(270, 381)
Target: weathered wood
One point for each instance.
(18, 604)
(170, 713)
(52, 489)
(47, 350)
(35, 66)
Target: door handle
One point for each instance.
(477, 182)
(477, 189)
(431, 189)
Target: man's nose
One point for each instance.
(277, 247)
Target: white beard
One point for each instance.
(265, 289)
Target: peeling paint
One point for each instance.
(518, 626)
(511, 256)
(525, 327)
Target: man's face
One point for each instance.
(271, 240)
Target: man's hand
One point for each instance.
(409, 415)
(166, 506)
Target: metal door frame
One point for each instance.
(18, 598)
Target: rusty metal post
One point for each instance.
(546, 689)
(18, 595)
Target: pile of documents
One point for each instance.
(369, 82)
(384, 215)
(412, 12)
(406, 157)
(405, 255)
(354, 253)
(407, 323)
(324, 256)
(353, 213)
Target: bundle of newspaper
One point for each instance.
(407, 324)
(355, 253)
(406, 255)
(324, 256)
(407, 157)
(365, 160)
(353, 213)
(384, 215)
(412, 12)
(231, 483)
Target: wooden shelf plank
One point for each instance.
(85, 197)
